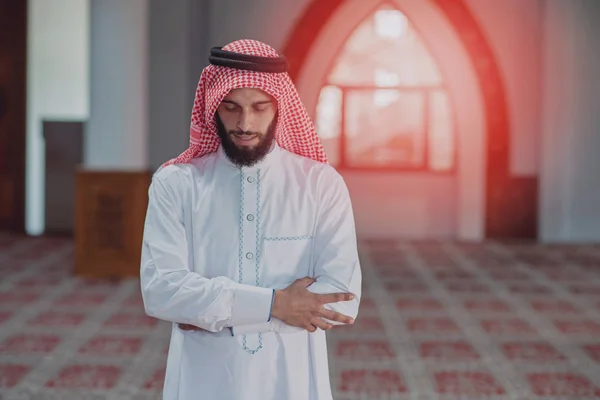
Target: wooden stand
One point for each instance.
(110, 209)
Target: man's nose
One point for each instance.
(245, 122)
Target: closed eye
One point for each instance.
(259, 106)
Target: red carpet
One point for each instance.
(438, 321)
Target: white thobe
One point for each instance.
(218, 240)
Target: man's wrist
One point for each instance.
(276, 303)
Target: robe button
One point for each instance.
(250, 179)
(250, 217)
(249, 256)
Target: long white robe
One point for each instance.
(218, 240)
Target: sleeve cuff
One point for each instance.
(251, 305)
(271, 309)
(254, 328)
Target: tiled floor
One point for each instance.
(437, 321)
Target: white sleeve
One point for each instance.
(171, 291)
(335, 251)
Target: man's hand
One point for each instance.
(297, 306)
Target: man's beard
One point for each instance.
(246, 157)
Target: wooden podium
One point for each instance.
(110, 209)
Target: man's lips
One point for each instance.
(245, 138)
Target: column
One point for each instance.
(118, 127)
(570, 162)
(112, 186)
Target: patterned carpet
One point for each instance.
(438, 321)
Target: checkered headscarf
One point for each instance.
(294, 132)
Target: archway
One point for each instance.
(493, 192)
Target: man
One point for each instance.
(249, 242)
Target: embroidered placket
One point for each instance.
(249, 250)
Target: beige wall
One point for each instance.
(422, 205)
(552, 100)
(548, 54)
(513, 28)
(514, 31)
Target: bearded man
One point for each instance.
(249, 241)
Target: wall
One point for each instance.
(513, 28)
(570, 179)
(57, 85)
(117, 131)
(181, 35)
(60, 82)
(516, 47)
(266, 20)
(171, 91)
(514, 31)
(178, 52)
(585, 180)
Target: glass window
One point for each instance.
(384, 104)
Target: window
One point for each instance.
(384, 105)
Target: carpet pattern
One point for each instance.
(438, 320)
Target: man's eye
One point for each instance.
(230, 107)
(261, 108)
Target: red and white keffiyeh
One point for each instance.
(295, 130)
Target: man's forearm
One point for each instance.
(270, 325)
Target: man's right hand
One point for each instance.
(297, 306)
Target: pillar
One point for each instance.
(112, 185)
(118, 127)
(570, 162)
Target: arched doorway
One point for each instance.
(428, 201)
(489, 203)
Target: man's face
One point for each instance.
(246, 120)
